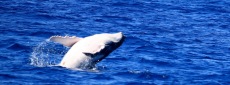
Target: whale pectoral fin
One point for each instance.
(65, 40)
(94, 50)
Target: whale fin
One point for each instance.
(94, 50)
(65, 40)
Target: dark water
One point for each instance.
(172, 42)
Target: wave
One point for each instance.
(17, 46)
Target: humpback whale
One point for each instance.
(87, 52)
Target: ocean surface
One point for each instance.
(168, 42)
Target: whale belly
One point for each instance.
(74, 58)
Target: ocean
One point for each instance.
(168, 42)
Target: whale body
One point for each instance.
(87, 52)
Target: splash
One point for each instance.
(47, 54)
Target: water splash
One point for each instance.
(47, 54)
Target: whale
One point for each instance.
(86, 52)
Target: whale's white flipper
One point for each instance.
(86, 52)
(65, 40)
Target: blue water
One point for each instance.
(172, 42)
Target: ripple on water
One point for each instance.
(17, 47)
(138, 76)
